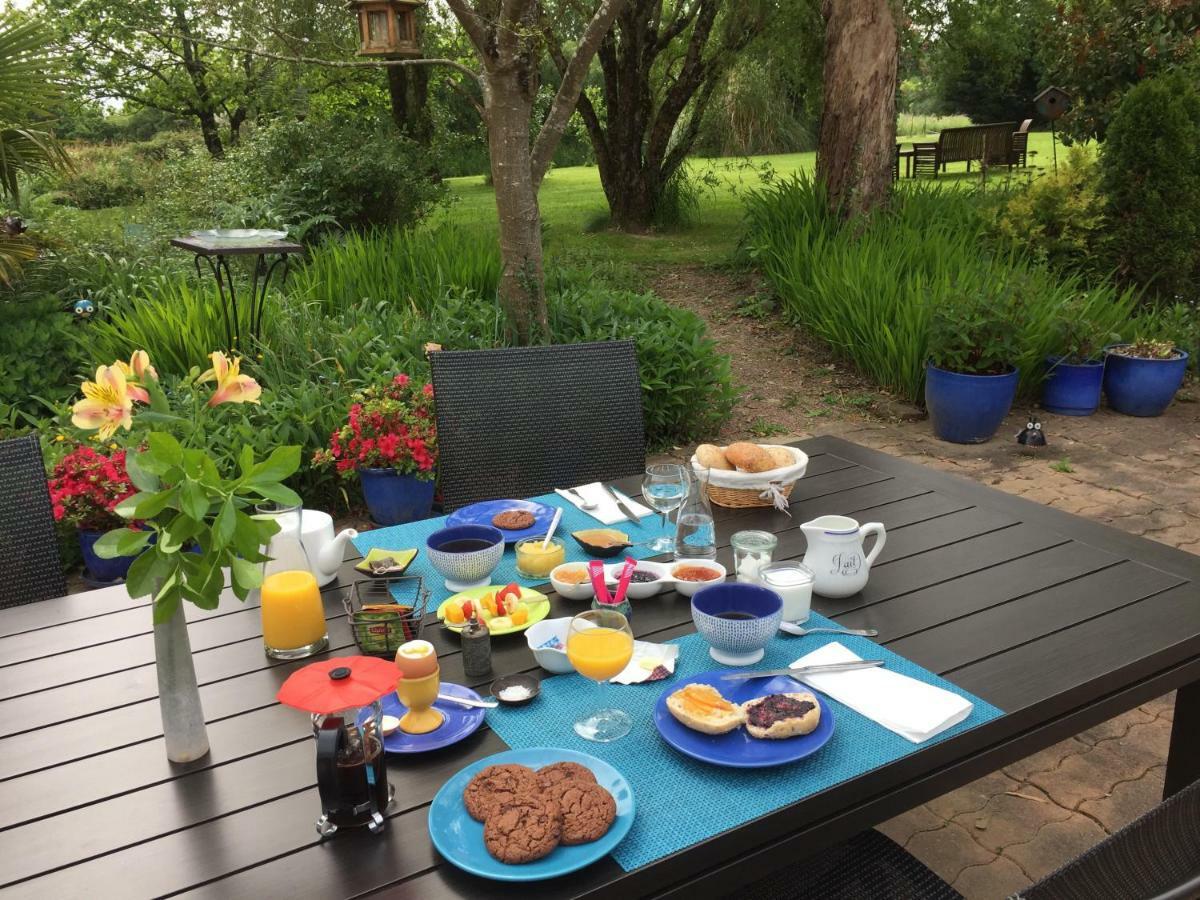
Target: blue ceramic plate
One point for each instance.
(459, 838)
(737, 748)
(461, 721)
(481, 514)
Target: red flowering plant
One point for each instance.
(87, 486)
(388, 427)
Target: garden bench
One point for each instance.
(989, 145)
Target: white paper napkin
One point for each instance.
(606, 510)
(911, 708)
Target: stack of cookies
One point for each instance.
(527, 813)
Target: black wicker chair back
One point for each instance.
(29, 559)
(1152, 858)
(518, 422)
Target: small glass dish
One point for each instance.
(536, 561)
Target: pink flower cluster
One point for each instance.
(87, 485)
(387, 427)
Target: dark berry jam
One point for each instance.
(642, 577)
(777, 707)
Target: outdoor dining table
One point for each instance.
(1058, 621)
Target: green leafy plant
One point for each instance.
(1063, 465)
(192, 519)
(762, 428)
(1147, 348)
(975, 331)
(1079, 339)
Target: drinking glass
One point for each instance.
(664, 488)
(599, 646)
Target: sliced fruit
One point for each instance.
(454, 614)
(520, 615)
(500, 623)
(467, 609)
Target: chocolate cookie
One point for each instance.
(550, 775)
(513, 519)
(588, 810)
(495, 786)
(523, 829)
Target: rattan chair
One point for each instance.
(29, 561)
(518, 422)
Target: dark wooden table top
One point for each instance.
(206, 247)
(1060, 622)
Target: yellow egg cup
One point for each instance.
(419, 694)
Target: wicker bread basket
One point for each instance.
(739, 490)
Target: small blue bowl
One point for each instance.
(465, 569)
(738, 641)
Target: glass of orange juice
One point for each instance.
(599, 646)
(293, 617)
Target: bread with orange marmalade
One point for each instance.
(702, 708)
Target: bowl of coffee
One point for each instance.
(738, 620)
(465, 555)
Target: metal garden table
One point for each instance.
(1061, 622)
(269, 257)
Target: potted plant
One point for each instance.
(1074, 377)
(85, 488)
(970, 380)
(1141, 378)
(193, 508)
(390, 441)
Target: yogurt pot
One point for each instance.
(536, 561)
(793, 582)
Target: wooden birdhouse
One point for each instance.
(387, 27)
(1052, 103)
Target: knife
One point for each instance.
(622, 505)
(801, 671)
(465, 701)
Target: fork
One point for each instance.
(584, 503)
(793, 628)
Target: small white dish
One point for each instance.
(688, 588)
(547, 631)
(639, 590)
(568, 590)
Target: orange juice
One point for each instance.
(599, 653)
(293, 617)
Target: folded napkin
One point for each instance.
(606, 510)
(650, 662)
(911, 708)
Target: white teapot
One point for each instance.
(835, 554)
(305, 542)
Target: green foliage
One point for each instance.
(37, 353)
(1151, 177)
(1063, 465)
(757, 110)
(976, 331)
(1060, 219)
(1177, 323)
(870, 290)
(1078, 338)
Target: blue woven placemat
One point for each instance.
(413, 534)
(681, 801)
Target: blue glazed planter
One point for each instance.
(1142, 387)
(1070, 389)
(967, 409)
(114, 569)
(393, 498)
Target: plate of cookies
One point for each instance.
(744, 724)
(527, 815)
(516, 518)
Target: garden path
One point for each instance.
(1015, 825)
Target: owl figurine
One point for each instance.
(1031, 438)
(84, 308)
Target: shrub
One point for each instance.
(38, 358)
(1151, 176)
(869, 291)
(1059, 219)
(976, 331)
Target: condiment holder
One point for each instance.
(516, 690)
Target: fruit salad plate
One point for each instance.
(535, 604)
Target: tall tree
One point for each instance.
(857, 143)
(661, 59)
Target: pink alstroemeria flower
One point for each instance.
(232, 386)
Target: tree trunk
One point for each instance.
(211, 133)
(522, 284)
(857, 143)
(236, 120)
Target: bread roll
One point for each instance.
(702, 708)
(712, 457)
(781, 456)
(749, 457)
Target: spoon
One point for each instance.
(793, 628)
(476, 704)
(584, 503)
(553, 525)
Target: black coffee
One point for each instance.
(736, 614)
(465, 545)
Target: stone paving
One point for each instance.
(1000, 833)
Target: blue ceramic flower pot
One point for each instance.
(1070, 389)
(967, 409)
(1142, 387)
(393, 498)
(99, 569)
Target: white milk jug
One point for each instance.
(835, 554)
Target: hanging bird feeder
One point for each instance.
(387, 28)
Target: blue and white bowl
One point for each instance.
(741, 641)
(471, 569)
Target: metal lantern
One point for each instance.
(387, 27)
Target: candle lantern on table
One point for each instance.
(342, 696)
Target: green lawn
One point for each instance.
(574, 209)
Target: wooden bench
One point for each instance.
(989, 145)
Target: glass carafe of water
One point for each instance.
(695, 534)
(286, 548)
